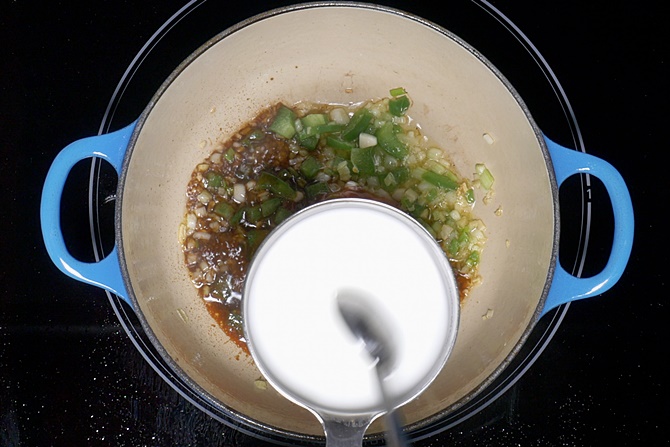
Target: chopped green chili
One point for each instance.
(310, 167)
(281, 215)
(253, 214)
(254, 239)
(276, 185)
(225, 210)
(214, 179)
(313, 119)
(363, 160)
(255, 135)
(309, 142)
(270, 206)
(237, 217)
(389, 141)
(284, 122)
(316, 189)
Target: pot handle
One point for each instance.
(106, 273)
(566, 287)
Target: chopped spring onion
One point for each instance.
(398, 106)
(435, 167)
(473, 258)
(440, 180)
(327, 128)
(338, 143)
(229, 155)
(390, 180)
(357, 124)
(470, 196)
(485, 176)
(401, 174)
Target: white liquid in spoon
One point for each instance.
(293, 326)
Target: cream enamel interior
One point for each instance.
(336, 54)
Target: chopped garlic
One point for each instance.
(239, 193)
(261, 384)
(366, 140)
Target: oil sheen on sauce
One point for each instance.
(295, 332)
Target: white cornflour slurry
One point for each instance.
(296, 334)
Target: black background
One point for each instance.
(69, 376)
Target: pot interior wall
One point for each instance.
(336, 54)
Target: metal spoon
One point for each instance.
(365, 324)
(298, 339)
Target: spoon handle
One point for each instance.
(344, 433)
(395, 437)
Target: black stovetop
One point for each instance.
(70, 375)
